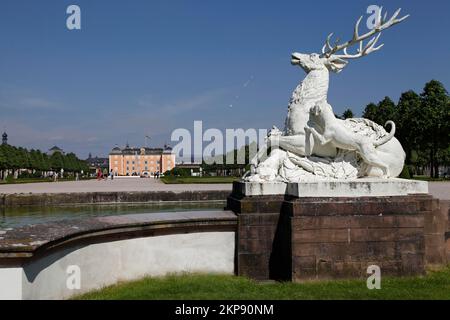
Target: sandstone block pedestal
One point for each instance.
(314, 231)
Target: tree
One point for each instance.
(385, 111)
(45, 162)
(380, 113)
(406, 118)
(57, 161)
(370, 112)
(347, 114)
(435, 120)
(12, 158)
(3, 161)
(34, 159)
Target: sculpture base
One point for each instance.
(287, 237)
(365, 187)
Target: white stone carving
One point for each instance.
(364, 187)
(329, 148)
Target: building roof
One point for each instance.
(55, 148)
(116, 150)
(137, 151)
(167, 149)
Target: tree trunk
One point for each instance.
(436, 169)
(436, 160)
(408, 155)
(431, 163)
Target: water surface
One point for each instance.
(21, 216)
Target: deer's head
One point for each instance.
(331, 61)
(315, 61)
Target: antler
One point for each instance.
(381, 24)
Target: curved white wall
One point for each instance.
(107, 263)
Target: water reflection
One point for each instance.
(21, 216)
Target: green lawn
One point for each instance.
(34, 180)
(435, 285)
(184, 180)
(27, 180)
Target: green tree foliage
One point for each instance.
(347, 114)
(386, 110)
(57, 161)
(436, 126)
(14, 158)
(406, 118)
(382, 112)
(370, 112)
(178, 172)
(423, 124)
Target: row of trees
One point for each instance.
(17, 160)
(423, 126)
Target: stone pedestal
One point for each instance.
(288, 236)
(261, 235)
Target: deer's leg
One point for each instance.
(275, 159)
(269, 168)
(255, 160)
(294, 144)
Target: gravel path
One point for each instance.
(439, 190)
(125, 184)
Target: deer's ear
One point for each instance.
(336, 64)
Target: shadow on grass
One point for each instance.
(435, 285)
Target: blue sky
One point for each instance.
(147, 67)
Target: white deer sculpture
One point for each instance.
(297, 155)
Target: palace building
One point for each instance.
(142, 161)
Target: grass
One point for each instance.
(25, 180)
(435, 285)
(184, 180)
(34, 180)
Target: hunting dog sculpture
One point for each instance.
(336, 133)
